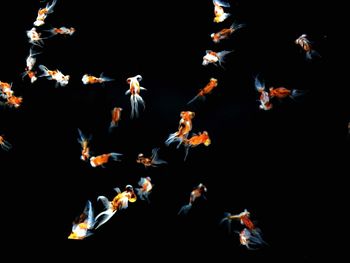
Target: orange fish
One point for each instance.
(85, 149)
(213, 83)
(5, 89)
(31, 75)
(83, 225)
(103, 159)
(150, 161)
(195, 140)
(135, 98)
(14, 101)
(201, 138)
(244, 218)
(226, 32)
(198, 192)
(281, 93)
(116, 112)
(185, 126)
(120, 201)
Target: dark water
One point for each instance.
(267, 162)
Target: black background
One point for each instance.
(267, 162)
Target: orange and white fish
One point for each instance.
(150, 161)
(5, 89)
(14, 101)
(102, 159)
(43, 12)
(251, 239)
(116, 113)
(7, 93)
(306, 45)
(135, 98)
(85, 149)
(31, 75)
(119, 202)
(213, 83)
(264, 97)
(146, 188)
(83, 225)
(62, 31)
(30, 62)
(216, 58)
(89, 79)
(226, 32)
(57, 75)
(5, 145)
(35, 37)
(195, 140)
(185, 126)
(219, 12)
(197, 193)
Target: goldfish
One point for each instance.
(197, 193)
(35, 37)
(62, 31)
(30, 62)
(7, 93)
(116, 112)
(213, 83)
(5, 145)
(101, 160)
(243, 217)
(195, 140)
(83, 225)
(150, 161)
(226, 32)
(135, 98)
(216, 58)
(185, 126)
(282, 92)
(251, 239)
(89, 79)
(219, 12)
(119, 202)
(57, 75)
(306, 45)
(250, 236)
(146, 188)
(264, 98)
(6, 89)
(85, 149)
(14, 101)
(31, 75)
(43, 12)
